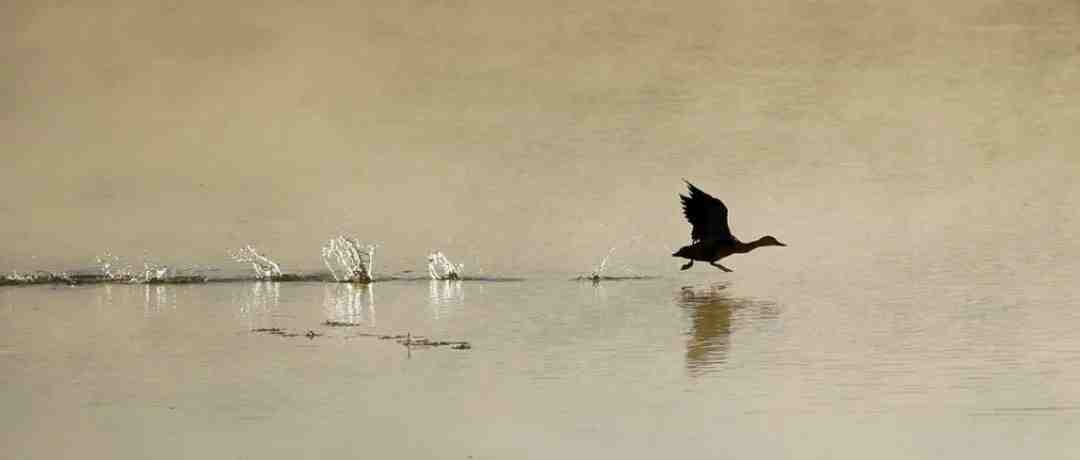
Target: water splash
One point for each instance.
(597, 272)
(599, 269)
(154, 273)
(38, 277)
(264, 267)
(441, 268)
(23, 278)
(113, 269)
(349, 260)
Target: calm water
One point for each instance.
(702, 365)
(919, 159)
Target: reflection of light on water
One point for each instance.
(445, 296)
(158, 297)
(711, 312)
(105, 298)
(261, 299)
(5, 301)
(350, 303)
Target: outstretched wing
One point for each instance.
(707, 215)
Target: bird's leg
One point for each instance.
(721, 267)
(688, 265)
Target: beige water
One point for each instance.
(802, 367)
(918, 158)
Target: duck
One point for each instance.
(710, 234)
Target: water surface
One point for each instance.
(918, 158)
(693, 366)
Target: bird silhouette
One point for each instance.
(710, 235)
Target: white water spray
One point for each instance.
(349, 260)
(264, 267)
(113, 269)
(441, 268)
(154, 273)
(16, 277)
(599, 269)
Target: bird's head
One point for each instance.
(769, 240)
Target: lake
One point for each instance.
(702, 365)
(919, 159)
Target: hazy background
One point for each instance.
(918, 158)
(531, 136)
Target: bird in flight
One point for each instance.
(710, 236)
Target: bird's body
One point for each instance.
(711, 238)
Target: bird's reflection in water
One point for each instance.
(260, 300)
(446, 296)
(350, 303)
(599, 292)
(711, 312)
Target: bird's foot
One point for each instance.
(721, 267)
(688, 265)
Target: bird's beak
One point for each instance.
(781, 244)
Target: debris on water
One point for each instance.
(276, 331)
(407, 339)
(272, 330)
(349, 260)
(410, 340)
(457, 345)
(597, 279)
